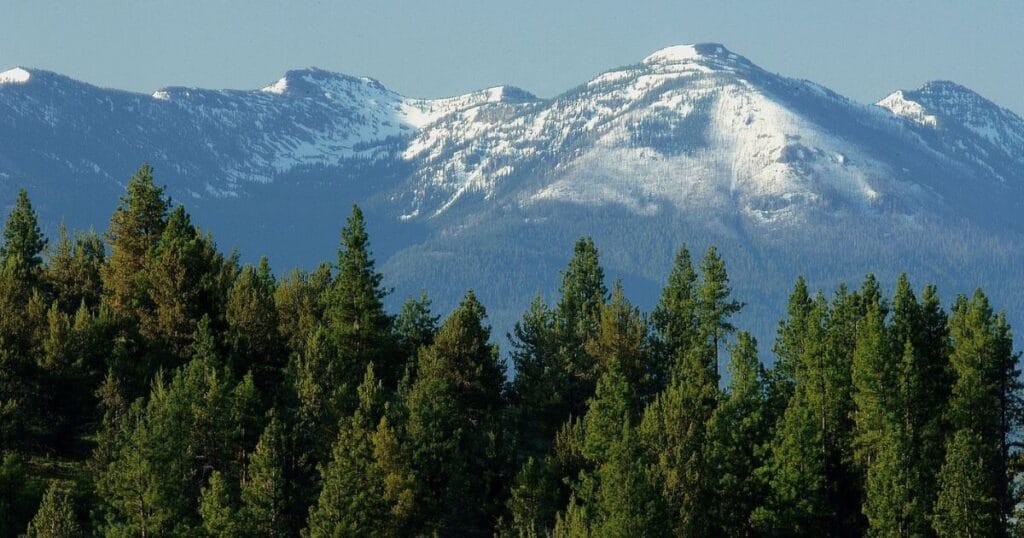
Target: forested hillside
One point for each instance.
(152, 385)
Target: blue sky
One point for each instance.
(863, 49)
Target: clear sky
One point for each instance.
(431, 48)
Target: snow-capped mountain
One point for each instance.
(488, 190)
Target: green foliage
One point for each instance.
(56, 516)
(135, 228)
(165, 390)
(455, 427)
(23, 242)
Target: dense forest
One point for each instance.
(151, 385)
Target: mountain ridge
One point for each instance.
(693, 143)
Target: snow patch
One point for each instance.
(898, 104)
(278, 87)
(673, 54)
(15, 76)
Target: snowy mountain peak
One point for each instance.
(316, 82)
(698, 52)
(18, 75)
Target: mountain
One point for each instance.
(488, 190)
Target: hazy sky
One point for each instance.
(432, 48)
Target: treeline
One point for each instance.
(152, 386)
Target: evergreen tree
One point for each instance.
(796, 467)
(353, 500)
(300, 308)
(714, 305)
(967, 504)
(577, 320)
(675, 316)
(184, 282)
(264, 491)
(538, 390)
(788, 349)
(56, 516)
(217, 509)
(73, 272)
(188, 428)
(983, 410)
(455, 426)
(359, 326)
(253, 340)
(23, 242)
(738, 431)
(628, 501)
(135, 228)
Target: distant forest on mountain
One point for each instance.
(152, 385)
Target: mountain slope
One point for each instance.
(488, 190)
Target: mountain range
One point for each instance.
(693, 144)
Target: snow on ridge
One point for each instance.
(898, 104)
(17, 75)
(278, 87)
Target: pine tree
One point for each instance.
(253, 340)
(300, 308)
(359, 326)
(56, 516)
(737, 431)
(353, 501)
(217, 509)
(577, 320)
(135, 228)
(538, 390)
(796, 469)
(967, 504)
(455, 426)
(183, 279)
(875, 393)
(73, 272)
(23, 242)
(983, 410)
(415, 325)
(628, 501)
(675, 316)
(714, 305)
(788, 348)
(264, 491)
(163, 450)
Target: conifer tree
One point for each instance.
(189, 427)
(577, 320)
(983, 410)
(183, 278)
(217, 509)
(538, 390)
(788, 348)
(455, 426)
(264, 491)
(737, 431)
(135, 228)
(253, 339)
(300, 305)
(675, 316)
(73, 272)
(967, 504)
(628, 501)
(353, 501)
(715, 305)
(875, 393)
(415, 325)
(56, 516)
(796, 467)
(23, 242)
(359, 326)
